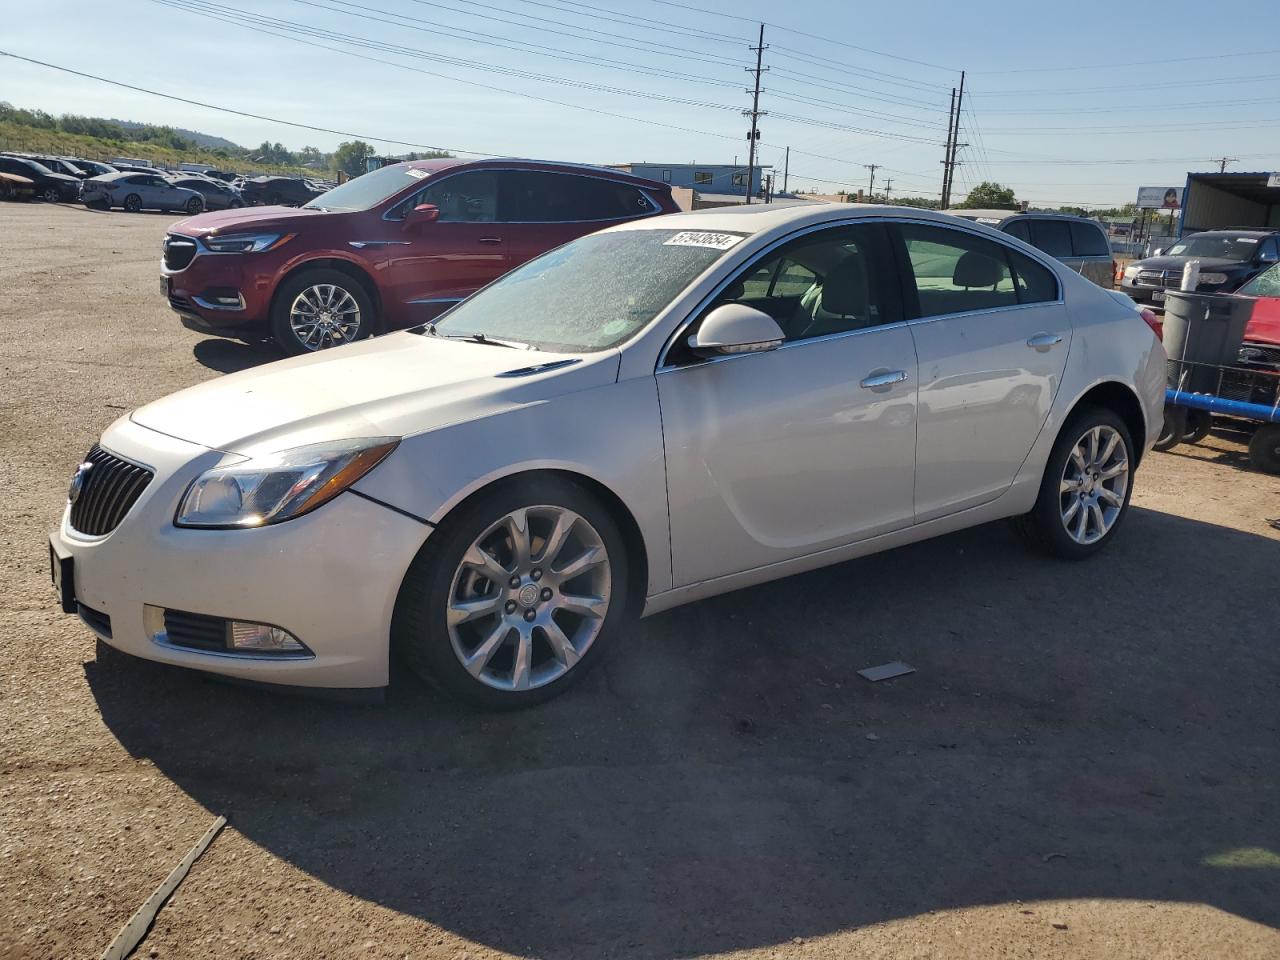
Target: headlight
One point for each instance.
(279, 486)
(1132, 271)
(247, 242)
(1213, 279)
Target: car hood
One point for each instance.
(1207, 264)
(254, 218)
(397, 385)
(60, 176)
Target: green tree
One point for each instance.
(350, 157)
(989, 196)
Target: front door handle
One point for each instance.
(882, 380)
(490, 239)
(1044, 342)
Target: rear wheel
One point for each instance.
(51, 195)
(1264, 448)
(1171, 431)
(6, 190)
(512, 599)
(1084, 495)
(1199, 423)
(194, 206)
(318, 309)
(133, 203)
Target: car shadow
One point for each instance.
(1104, 729)
(230, 356)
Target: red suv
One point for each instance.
(390, 249)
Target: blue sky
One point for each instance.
(609, 81)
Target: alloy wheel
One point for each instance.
(1094, 482)
(529, 598)
(324, 315)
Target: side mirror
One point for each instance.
(1158, 252)
(733, 328)
(422, 213)
(1267, 256)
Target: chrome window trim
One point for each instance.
(453, 172)
(1043, 259)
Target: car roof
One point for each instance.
(441, 164)
(1005, 215)
(1231, 233)
(761, 217)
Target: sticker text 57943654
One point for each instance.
(701, 238)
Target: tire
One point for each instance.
(1053, 526)
(347, 293)
(235, 205)
(1199, 423)
(6, 190)
(194, 206)
(1264, 448)
(1171, 432)
(133, 203)
(51, 195)
(445, 571)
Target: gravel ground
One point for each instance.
(1085, 765)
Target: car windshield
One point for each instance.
(590, 294)
(368, 190)
(1223, 245)
(1265, 284)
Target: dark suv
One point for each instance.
(1228, 259)
(389, 249)
(52, 187)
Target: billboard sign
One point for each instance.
(1159, 198)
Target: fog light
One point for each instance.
(263, 638)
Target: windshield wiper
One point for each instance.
(488, 341)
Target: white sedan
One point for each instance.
(647, 416)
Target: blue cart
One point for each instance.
(1246, 392)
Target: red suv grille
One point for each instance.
(178, 252)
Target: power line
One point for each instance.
(1131, 63)
(242, 113)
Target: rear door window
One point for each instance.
(957, 272)
(1088, 241)
(1052, 236)
(531, 196)
(1018, 228)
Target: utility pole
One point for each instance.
(953, 135)
(1223, 161)
(888, 184)
(755, 113)
(946, 150)
(786, 169)
(871, 190)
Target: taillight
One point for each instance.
(1154, 322)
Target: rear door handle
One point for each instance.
(490, 239)
(1044, 342)
(882, 380)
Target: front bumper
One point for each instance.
(329, 577)
(191, 292)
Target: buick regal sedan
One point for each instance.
(646, 416)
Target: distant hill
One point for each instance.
(206, 140)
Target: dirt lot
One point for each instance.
(1086, 764)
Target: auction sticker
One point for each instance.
(700, 238)
(418, 174)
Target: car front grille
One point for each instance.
(195, 630)
(179, 251)
(1159, 278)
(109, 487)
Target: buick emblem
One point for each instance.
(78, 481)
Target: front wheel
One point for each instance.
(513, 598)
(51, 195)
(318, 309)
(1084, 495)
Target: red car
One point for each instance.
(1262, 335)
(389, 249)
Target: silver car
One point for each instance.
(646, 416)
(135, 191)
